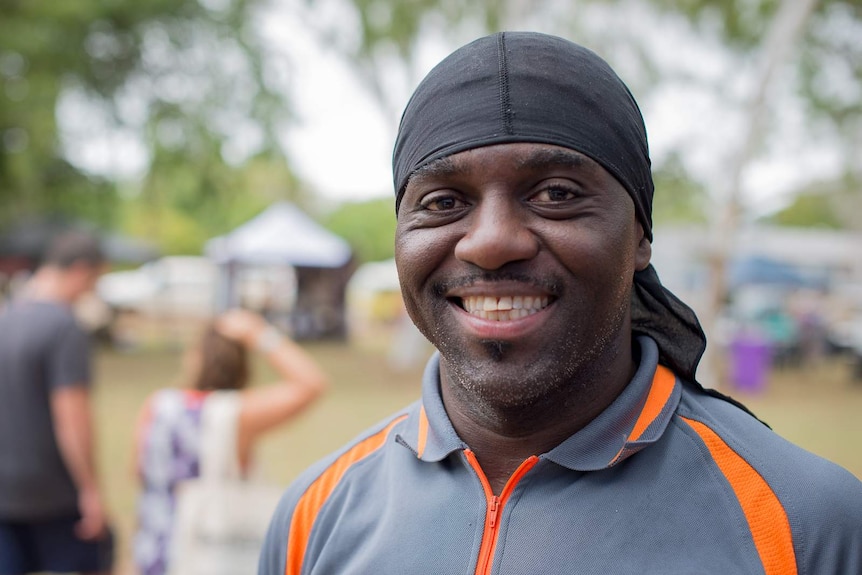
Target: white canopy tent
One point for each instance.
(284, 236)
(281, 234)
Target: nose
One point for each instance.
(497, 235)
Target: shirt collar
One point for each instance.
(428, 431)
(637, 418)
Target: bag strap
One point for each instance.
(219, 452)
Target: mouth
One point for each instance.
(503, 308)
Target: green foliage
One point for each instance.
(386, 45)
(187, 200)
(742, 23)
(831, 205)
(399, 23)
(175, 231)
(678, 198)
(368, 226)
(808, 211)
(193, 81)
(830, 66)
(824, 68)
(827, 60)
(187, 78)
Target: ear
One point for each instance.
(643, 252)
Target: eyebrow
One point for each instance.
(549, 157)
(538, 159)
(439, 167)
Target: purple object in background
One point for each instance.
(750, 359)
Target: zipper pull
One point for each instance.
(493, 509)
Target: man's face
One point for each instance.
(81, 277)
(516, 261)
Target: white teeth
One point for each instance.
(504, 308)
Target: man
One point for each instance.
(52, 515)
(561, 429)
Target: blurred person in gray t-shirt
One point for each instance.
(52, 513)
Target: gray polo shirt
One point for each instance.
(666, 480)
(42, 349)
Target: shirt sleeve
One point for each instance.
(830, 536)
(273, 555)
(69, 359)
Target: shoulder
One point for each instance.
(822, 501)
(355, 466)
(49, 312)
(64, 330)
(42, 315)
(353, 461)
(785, 465)
(169, 403)
(722, 425)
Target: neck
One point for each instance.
(48, 284)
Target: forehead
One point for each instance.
(522, 157)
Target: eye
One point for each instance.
(441, 201)
(554, 193)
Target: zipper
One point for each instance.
(495, 505)
(493, 511)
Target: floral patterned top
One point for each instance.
(168, 452)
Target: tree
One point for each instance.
(186, 84)
(822, 72)
(368, 226)
(678, 198)
(808, 211)
(831, 205)
(194, 89)
(387, 41)
(820, 77)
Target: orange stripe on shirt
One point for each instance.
(662, 386)
(766, 517)
(318, 492)
(423, 432)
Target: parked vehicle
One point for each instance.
(170, 286)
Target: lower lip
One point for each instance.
(499, 330)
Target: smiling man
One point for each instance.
(561, 428)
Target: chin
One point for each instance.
(505, 375)
(499, 379)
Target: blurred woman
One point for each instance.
(169, 426)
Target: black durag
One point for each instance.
(530, 87)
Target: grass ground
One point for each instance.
(817, 408)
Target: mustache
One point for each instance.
(550, 285)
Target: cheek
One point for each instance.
(408, 262)
(418, 254)
(604, 256)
